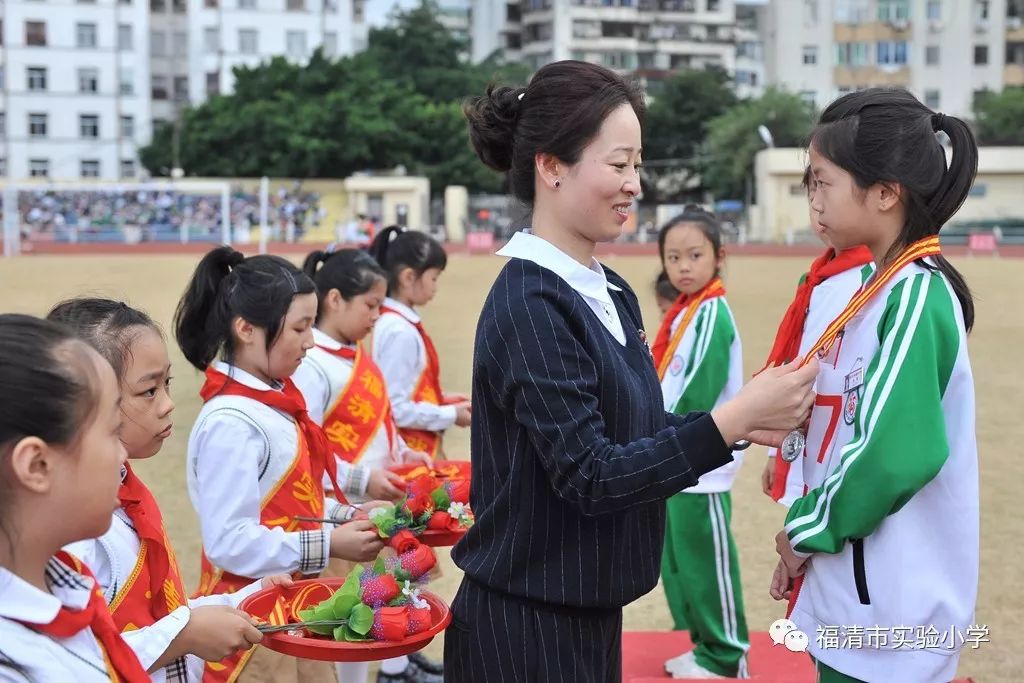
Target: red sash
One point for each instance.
(427, 390)
(666, 343)
(791, 329)
(154, 589)
(122, 664)
(299, 493)
(362, 408)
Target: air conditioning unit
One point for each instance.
(899, 24)
(1014, 23)
(935, 26)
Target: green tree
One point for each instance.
(999, 117)
(398, 102)
(733, 139)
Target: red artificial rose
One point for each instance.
(380, 590)
(390, 623)
(422, 485)
(458, 491)
(404, 541)
(420, 505)
(439, 521)
(419, 561)
(419, 619)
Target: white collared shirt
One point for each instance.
(112, 558)
(238, 452)
(42, 658)
(401, 355)
(590, 283)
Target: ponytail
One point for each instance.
(886, 136)
(226, 285)
(396, 249)
(350, 271)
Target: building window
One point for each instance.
(211, 40)
(246, 4)
(157, 44)
(128, 127)
(179, 6)
(3, 124)
(39, 168)
(810, 55)
(980, 55)
(127, 168)
(89, 81)
(248, 41)
(331, 44)
(1015, 53)
(981, 10)
(810, 12)
(358, 12)
(934, 10)
(180, 44)
(36, 77)
(891, 52)
(124, 37)
(853, 54)
(893, 10)
(713, 5)
(159, 87)
(978, 190)
(157, 5)
(808, 96)
(85, 35)
(3, 166)
(931, 99)
(89, 126)
(89, 168)
(35, 33)
(296, 5)
(931, 55)
(126, 81)
(37, 125)
(212, 4)
(181, 88)
(851, 11)
(295, 42)
(213, 83)
(1015, 9)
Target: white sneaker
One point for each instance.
(686, 666)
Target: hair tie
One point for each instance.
(938, 122)
(235, 258)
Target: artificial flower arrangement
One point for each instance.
(430, 505)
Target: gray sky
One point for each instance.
(377, 10)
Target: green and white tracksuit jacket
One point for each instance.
(891, 518)
(705, 371)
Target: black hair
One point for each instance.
(664, 288)
(706, 221)
(226, 285)
(558, 113)
(350, 271)
(396, 249)
(807, 181)
(886, 136)
(49, 388)
(109, 326)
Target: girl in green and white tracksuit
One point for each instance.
(699, 360)
(886, 538)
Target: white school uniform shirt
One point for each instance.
(321, 378)
(590, 283)
(27, 656)
(238, 451)
(399, 352)
(111, 558)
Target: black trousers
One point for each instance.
(498, 637)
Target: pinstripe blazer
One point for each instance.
(573, 453)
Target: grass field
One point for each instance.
(759, 290)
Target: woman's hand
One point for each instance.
(771, 404)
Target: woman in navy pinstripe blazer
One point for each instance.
(573, 453)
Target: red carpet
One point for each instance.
(644, 654)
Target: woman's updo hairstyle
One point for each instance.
(558, 113)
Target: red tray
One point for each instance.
(441, 539)
(443, 469)
(309, 592)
